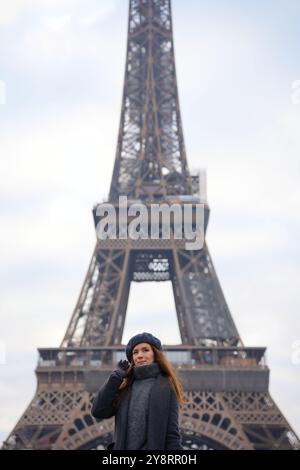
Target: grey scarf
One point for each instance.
(139, 404)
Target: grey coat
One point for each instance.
(162, 433)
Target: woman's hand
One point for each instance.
(122, 368)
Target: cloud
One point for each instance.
(56, 23)
(11, 11)
(2, 92)
(100, 14)
(158, 316)
(63, 141)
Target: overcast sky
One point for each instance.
(61, 77)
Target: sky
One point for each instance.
(61, 78)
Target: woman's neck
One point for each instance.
(147, 371)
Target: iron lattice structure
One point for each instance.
(229, 405)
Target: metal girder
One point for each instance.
(100, 313)
(210, 420)
(150, 159)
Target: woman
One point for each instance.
(143, 396)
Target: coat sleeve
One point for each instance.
(173, 441)
(102, 406)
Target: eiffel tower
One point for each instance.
(226, 383)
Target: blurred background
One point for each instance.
(61, 79)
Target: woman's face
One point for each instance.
(142, 354)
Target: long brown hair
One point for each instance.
(166, 369)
